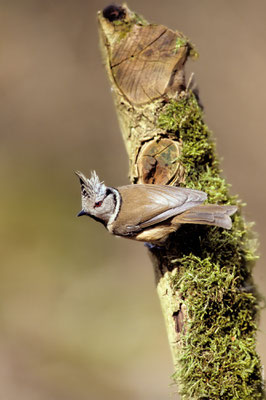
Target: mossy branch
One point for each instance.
(203, 273)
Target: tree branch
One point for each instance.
(203, 273)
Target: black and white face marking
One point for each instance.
(117, 204)
(83, 189)
(98, 201)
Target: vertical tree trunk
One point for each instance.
(203, 273)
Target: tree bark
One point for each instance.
(203, 274)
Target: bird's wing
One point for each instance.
(152, 204)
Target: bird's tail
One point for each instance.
(208, 214)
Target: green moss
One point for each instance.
(124, 26)
(140, 20)
(184, 118)
(218, 359)
(184, 41)
(180, 42)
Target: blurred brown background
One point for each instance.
(79, 315)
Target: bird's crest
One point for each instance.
(93, 187)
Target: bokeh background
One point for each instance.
(79, 315)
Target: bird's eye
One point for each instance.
(98, 204)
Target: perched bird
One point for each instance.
(148, 213)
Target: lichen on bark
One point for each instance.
(203, 274)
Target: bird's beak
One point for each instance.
(82, 212)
